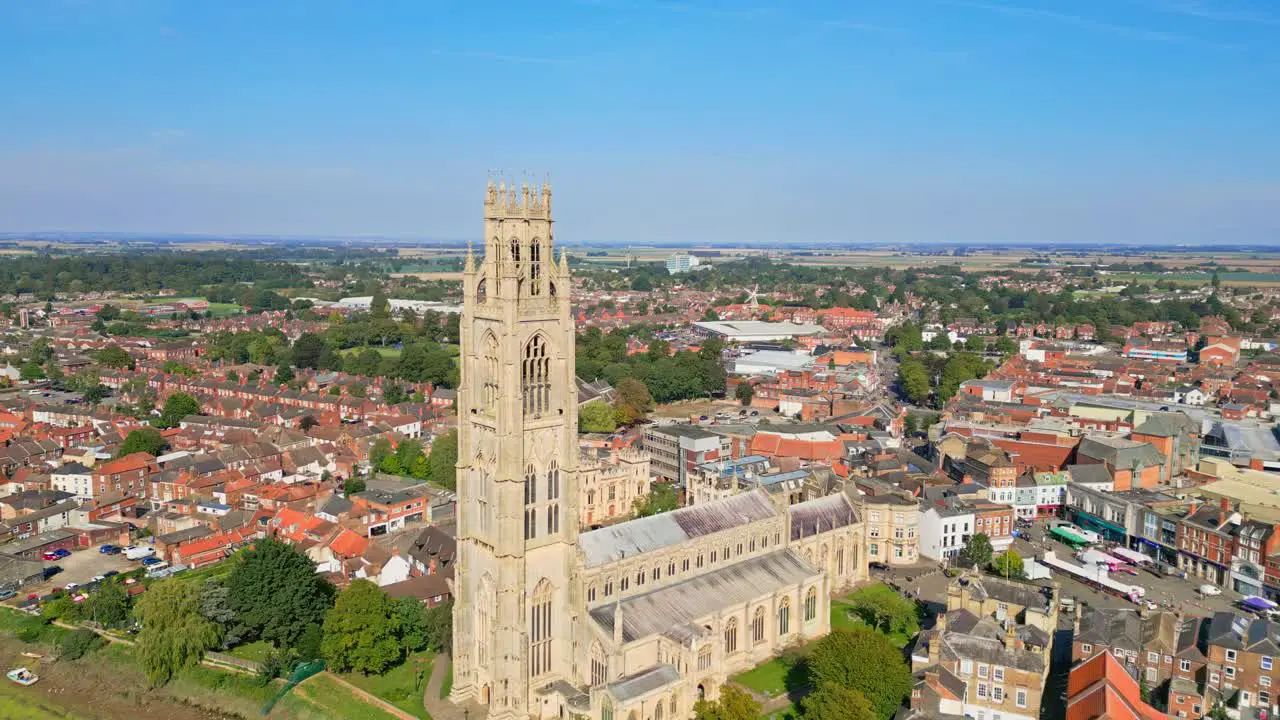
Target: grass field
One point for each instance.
(254, 651)
(401, 686)
(383, 351)
(322, 697)
(767, 679)
(1236, 279)
(19, 703)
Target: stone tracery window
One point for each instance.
(811, 605)
(489, 376)
(731, 636)
(784, 617)
(757, 627)
(535, 376)
(540, 630)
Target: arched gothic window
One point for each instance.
(811, 604)
(731, 636)
(530, 523)
(482, 291)
(489, 379)
(515, 251)
(784, 617)
(606, 710)
(535, 376)
(530, 486)
(553, 481)
(540, 631)
(757, 627)
(599, 665)
(657, 710)
(535, 267)
(484, 601)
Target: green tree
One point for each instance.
(443, 459)
(176, 407)
(662, 498)
(307, 350)
(914, 379)
(31, 370)
(353, 485)
(174, 635)
(440, 627)
(864, 660)
(596, 416)
(745, 392)
(734, 704)
(1008, 564)
(380, 451)
(79, 643)
(975, 343)
(114, 356)
(631, 400)
(284, 374)
(147, 440)
(360, 631)
(882, 608)
(275, 593)
(108, 606)
(978, 550)
(411, 623)
(1005, 345)
(836, 702)
(393, 394)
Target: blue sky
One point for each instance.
(763, 121)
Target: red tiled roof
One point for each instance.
(349, 544)
(128, 463)
(1101, 688)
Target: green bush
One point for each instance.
(78, 644)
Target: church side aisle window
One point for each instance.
(731, 636)
(784, 617)
(811, 605)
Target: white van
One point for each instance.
(137, 552)
(160, 569)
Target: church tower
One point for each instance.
(517, 461)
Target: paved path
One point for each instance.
(441, 708)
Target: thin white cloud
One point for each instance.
(1085, 23)
(501, 57)
(1211, 11)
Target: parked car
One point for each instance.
(110, 573)
(97, 578)
(1208, 590)
(70, 586)
(61, 553)
(109, 549)
(48, 556)
(7, 593)
(151, 560)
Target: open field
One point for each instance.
(430, 276)
(1233, 279)
(383, 351)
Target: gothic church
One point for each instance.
(635, 621)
